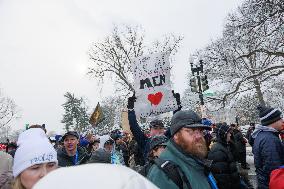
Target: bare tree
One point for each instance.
(248, 55)
(113, 57)
(112, 109)
(8, 133)
(8, 111)
(246, 109)
(265, 20)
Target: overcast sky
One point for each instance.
(44, 44)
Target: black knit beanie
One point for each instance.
(222, 130)
(268, 115)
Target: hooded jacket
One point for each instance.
(6, 180)
(224, 165)
(6, 176)
(64, 160)
(268, 153)
(6, 162)
(192, 167)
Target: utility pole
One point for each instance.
(199, 82)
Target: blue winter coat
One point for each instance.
(268, 154)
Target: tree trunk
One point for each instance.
(258, 92)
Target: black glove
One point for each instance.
(130, 103)
(177, 97)
(168, 133)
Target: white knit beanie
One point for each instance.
(33, 148)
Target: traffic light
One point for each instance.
(194, 84)
(204, 82)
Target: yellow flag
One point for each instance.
(97, 116)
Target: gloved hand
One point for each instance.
(177, 97)
(130, 103)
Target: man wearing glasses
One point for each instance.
(186, 150)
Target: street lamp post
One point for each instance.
(199, 82)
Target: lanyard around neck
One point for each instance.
(76, 158)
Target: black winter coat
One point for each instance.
(137, 152)
(239, 141)
(64, 160)
(224, 166)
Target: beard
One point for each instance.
(197, 148)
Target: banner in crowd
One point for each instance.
(152, 85)
(97, 116)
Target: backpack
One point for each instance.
(145, 169)
(173, 172)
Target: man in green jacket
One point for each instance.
(186, 149)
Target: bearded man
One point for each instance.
(187, 150)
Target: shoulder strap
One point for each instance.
(173, 172)
(145, 169)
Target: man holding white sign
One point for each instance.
(154, 96)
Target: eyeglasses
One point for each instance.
(195, 131)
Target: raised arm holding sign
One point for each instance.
(153, 96)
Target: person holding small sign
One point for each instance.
(154, 95)
(156, 126)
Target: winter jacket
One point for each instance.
(6, 162)
(125, 152)
(117, 156)
(268, 153)
(239, 140)
(96, 175)
(136, 153)
(64, 160)
(6, 180)
(224, 165)
(193, 168)
(249, 133)
(277, 178)
(6, 177)
(100, 156)
(142, 141)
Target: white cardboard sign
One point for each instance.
(152, 85)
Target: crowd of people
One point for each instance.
(192, 153)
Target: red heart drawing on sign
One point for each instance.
(155, 98)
